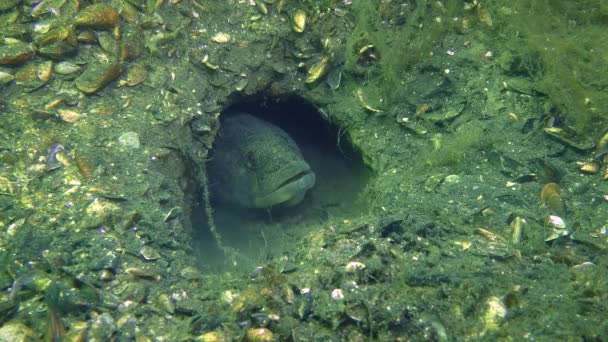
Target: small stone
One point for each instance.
(129, 140)
(69, 116)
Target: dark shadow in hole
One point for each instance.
(340, 178)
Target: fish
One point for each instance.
(256, 164)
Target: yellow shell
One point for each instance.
(317, 70)
(591, 167)
(299, 21)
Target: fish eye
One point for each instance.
(250, 161)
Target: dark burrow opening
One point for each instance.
(256, 235)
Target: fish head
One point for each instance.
(258, 165)
(274, 173)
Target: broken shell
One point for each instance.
(363, 102)
(299, 21)
(317, 70)
(591, 167)
(97, 76)
(69, 116)
(570, 137)
(221, 38)
(101, 15)
(149, 253)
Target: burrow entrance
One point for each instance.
(341, 177)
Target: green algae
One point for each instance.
(562, 46)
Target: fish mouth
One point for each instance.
(293, 179)
(289, 192)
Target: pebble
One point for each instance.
(129, 140)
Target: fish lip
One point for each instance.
(292, 179)
(290, 192)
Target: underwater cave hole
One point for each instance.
(340, 177)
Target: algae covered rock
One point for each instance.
(98, 76)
